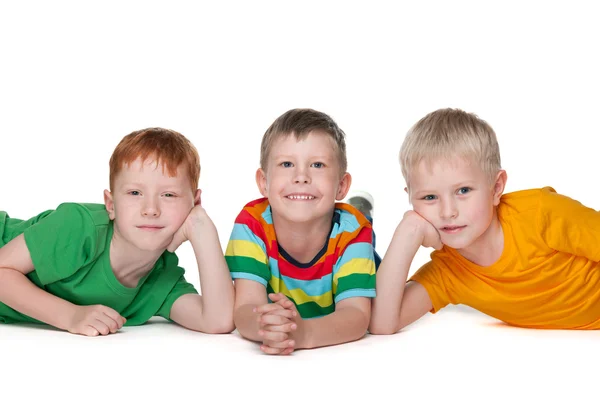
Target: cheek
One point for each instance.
(275, 182)
(484, 210)
(177, 212)
(427, 212)
(124, 210)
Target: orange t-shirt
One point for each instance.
(548, 275)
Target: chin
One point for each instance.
(457, 244)
(151, 246)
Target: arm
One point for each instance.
(560, 214)
(248, 295)
(347, 323)
(19, 293)
(399, 304)
(211, 312)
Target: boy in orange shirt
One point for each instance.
(529, 258)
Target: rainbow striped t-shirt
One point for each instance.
(344, 268)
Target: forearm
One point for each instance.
(19, 293)
(215, 281)
(391, 279)
(341, 326)
(246, 322)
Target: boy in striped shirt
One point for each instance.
(303, 264)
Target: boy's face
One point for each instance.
(302, 180)
(457, 198)
(147, 205)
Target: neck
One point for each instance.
(302, 240)
(129, 263)
(488, 248)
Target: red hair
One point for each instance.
(168, 147)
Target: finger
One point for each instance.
(270, 319)
(280, 345)
(271, 336)
(281, 328)
(178, 239)
(115, 316)
(275, 297)
(287, 351)
(100, 326)
(282, 312)
(265, 308)
(270, 350)
(281, 299)
(112, 325)
(89, 330)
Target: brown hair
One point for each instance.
(167, 146)
(300, 122)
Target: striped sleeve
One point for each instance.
(246, 253)
(354, 272)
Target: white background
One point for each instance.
(75, 77)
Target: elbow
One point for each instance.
(6, 273)
(222, 326)
(383, 328)
(219, 323)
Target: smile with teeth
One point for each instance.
(300, 197)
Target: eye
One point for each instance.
(286, 164)
(429, 197)
(317, 165)
(169, 194)
(134, 192)
(464, 190)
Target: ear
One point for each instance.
(499, 185)
(197, 197)
(261, 182)
(109, 204)
(344, 186)
(408, 193)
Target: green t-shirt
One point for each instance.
(70, 247)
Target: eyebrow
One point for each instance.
(456, 185)
(126, 185)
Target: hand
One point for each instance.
(196, 217)
(95, 320)
(277, 321)
(430, 235)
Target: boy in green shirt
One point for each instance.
(91, 268)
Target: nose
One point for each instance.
(150, 208)
(448, 210)
(302, 175)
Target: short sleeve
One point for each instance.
(62, 242)
(181, 287)
(246, 253)
(567, 225)
(354, 271)
(430, 277)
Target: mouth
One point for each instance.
(300, 196)
(452, 228)
(150, 228)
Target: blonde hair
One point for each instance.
(448, 133)
(300, 122)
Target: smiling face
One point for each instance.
(457, 198)
(303, 178)
(147, 205)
